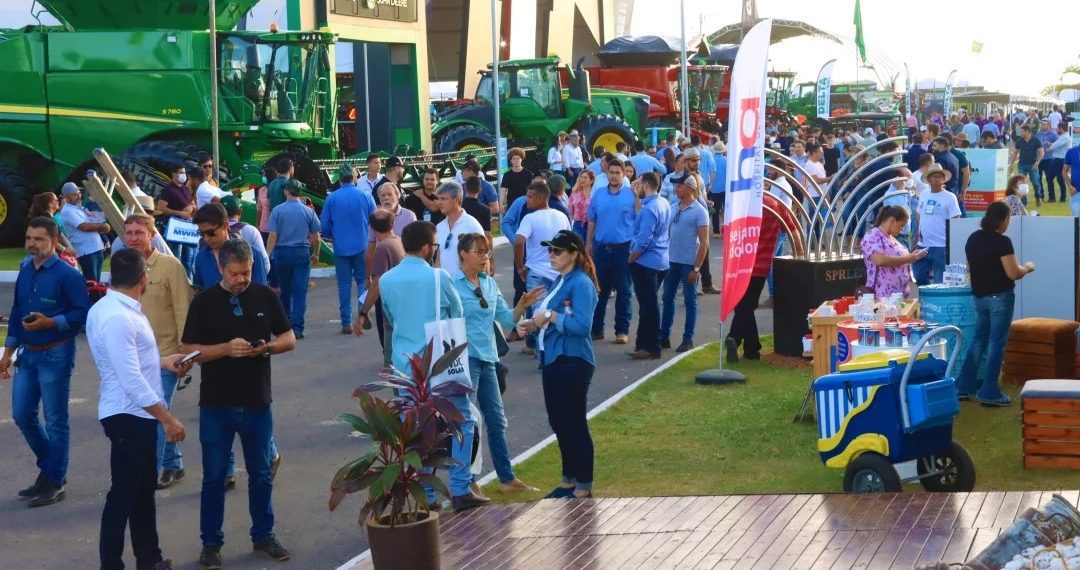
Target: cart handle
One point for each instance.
(915, 355)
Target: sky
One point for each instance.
(932, 36)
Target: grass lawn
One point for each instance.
(674, 437)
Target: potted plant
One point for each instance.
(409, 433)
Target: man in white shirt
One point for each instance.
(1054, 118)
(133, 184)
(84, 231)
(369, 180)
(531, 259)
(573, 161)
(936, 208)
(457, 222)
(130, 407)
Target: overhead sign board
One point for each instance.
(396, 10)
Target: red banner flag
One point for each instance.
(746, 164)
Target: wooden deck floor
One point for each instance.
(741, 531)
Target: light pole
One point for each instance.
(684, 93)
(216, 148)
(495, 90)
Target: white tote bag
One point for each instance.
(446, 334)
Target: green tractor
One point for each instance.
(133, 77)
(534, 107)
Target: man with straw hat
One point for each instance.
(936, 207)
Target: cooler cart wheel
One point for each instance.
(953, 468)
(871, 473)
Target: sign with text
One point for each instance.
(989, 176)
(182, 231)
(396, 10)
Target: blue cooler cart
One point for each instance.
(888, 408)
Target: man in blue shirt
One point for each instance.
(344, 220)
(213, 223)
(488, 195)
(597, 164)
(708, 161)
(914, 152)
(294, 245)
(611, 227)
(408, 294)
(941, 147)
(644, 163)
(716, 191)
(1027, 155)
(648, 263)
(49, 309)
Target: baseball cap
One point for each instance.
(868, 131)
(394, 161)
(574, 134)
(565, 240)
(69, 188)
(231, 204)
(687, 179)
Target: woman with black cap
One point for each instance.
(564, 319)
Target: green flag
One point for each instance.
(860, 43)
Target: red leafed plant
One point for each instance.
(408, 432)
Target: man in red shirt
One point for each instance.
(744, 329)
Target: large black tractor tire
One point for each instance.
(606, 131)
(15, 194)
(150, 163)
(464, 137)
(306, 171)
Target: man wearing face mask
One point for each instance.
(176, 201)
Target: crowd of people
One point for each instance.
(631, 224)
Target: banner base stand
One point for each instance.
(718, 377)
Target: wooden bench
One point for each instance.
(1040, 348)
(1051, 415)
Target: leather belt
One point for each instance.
(46, 346)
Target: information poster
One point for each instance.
(989, 175)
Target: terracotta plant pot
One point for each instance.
(412, 546)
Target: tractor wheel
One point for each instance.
(871, 473)
(464, 137)
(149, 162)
(306, 171)
(606, 131)
(954, 467)
(15, 195)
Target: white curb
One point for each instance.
(551, 438)
(320, 273)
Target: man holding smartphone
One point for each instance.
(236, 325)
(131, 407)
(49, 310)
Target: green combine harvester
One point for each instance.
(134, 77)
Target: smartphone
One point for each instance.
(189, 358)
(258, 343)
(30, 318)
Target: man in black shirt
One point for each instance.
(1027, 155)
(423, 202)
(236, 326)
(395, 173)
(516, 180)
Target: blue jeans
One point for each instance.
(293, 268)
(348, 268)
(489, 400)
(218, 426)
(933, 265)
(185, 254)
(646, 282)
(45, 378)
(169, 456)
(90, 265)
(581, 229)
(993, 315)
(1052, 168)
(613, 272)
(460, 475)
(532, 281)
(678, 274)
(780, 240)
(1032, 172)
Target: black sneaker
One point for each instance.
(963, 397)
(732, 350)
(665, 343)
(752, 355)
(170, 477)
(210, 557)
(272, 548)
(685, 346)
(49, 494)
(560, 492)
(230, 482)
(33, 490)
(1004, 402)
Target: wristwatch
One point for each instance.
(547, 315)
(696, 269)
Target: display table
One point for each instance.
(824, 334)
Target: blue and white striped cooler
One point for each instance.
(834, 404)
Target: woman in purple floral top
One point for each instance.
(888, 262)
